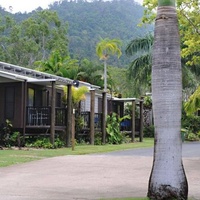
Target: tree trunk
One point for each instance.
(167, 179)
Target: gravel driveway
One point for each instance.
(117, 174)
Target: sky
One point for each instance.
(28, 5)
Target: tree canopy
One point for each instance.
(32, 39)
(189, 20)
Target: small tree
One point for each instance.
(78, 94)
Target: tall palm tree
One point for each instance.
(167, 179)
(140, 68)
(104, 49)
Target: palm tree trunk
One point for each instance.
(167, 179)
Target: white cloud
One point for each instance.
(29, 5)
(24, 5)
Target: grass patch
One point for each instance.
(12, 157)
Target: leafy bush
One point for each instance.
(15, 139)
(9, 138)
(126, 137)
(6, 130)
(191, 123)
(58, 143)
(192, 137)
(98, 138)
(148, 102)
(149, 131)
(113, 129)
(45, 143)
(114, 134)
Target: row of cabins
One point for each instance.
(32, 101)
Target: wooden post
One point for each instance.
(133, 122)
(104, 112)
(53, 107)
(24, 108)
(73, 130)
(141, 119)
(69, 116)
(92, 106)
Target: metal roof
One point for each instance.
(22, 73)
(11, 72)
(126, 99)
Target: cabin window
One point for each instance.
(58, 99)
(34, 97)
(9, 102)
(38, 98)
(31, 96)
(48, 103)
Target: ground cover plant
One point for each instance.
(12, 156)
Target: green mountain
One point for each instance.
(90, 21)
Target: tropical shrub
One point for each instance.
(191, 123)
(15, 139)
(148, 102)
(98, 138)
(149, 131)
(192, 137)
(9, 138)
(114, 134)
(45, 143)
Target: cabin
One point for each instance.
(32, 101)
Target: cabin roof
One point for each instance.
(127, 99)
(13, 73)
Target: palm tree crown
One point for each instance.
(108, 47)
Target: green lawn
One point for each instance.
(12, 157)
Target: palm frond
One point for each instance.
(139, 45)
(142, 63)
(108, 47)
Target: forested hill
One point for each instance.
(88, 21)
